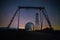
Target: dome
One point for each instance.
(29, 26)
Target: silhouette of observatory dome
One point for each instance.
(29, 26)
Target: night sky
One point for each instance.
(8, 8)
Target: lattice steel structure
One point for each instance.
(40, 8)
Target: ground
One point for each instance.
(19, 34)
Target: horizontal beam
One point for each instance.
(31, 7)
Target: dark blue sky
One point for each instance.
(8, 8)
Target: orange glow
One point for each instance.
(38, 28)
(56, 27)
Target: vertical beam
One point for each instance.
(18, 19)
(41, 20)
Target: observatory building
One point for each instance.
(29, 26)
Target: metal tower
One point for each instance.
(37, 20)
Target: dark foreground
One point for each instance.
(19, 34)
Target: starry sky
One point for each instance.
(8, 8)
